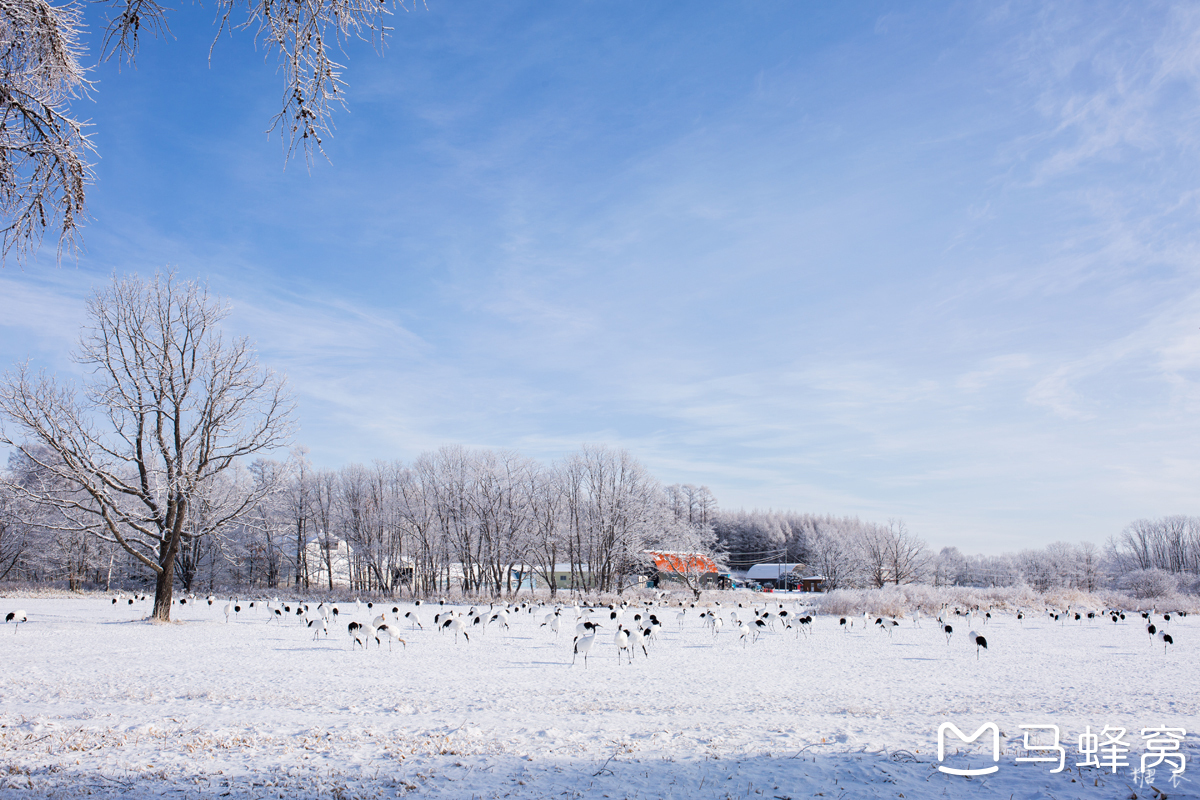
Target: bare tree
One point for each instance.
(1036, 570)
(872, 548)
(832, 551)
(1170, 543)
(267, 519)
(611, 504)
(682, 541)
(546, 504)
(325, 498)
(299, 508)
(891, 554)
(172, 405)
(418, 512)
(907, 555)
(949, 567)
(1089, 566)
(14, 533)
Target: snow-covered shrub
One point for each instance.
(840, 602)
(1144, 583)
(902, 601)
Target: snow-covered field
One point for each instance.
(94, 700)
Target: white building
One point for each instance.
(338, 562)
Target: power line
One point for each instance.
(759, 552)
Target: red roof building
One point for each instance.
(682, 563)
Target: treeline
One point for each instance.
(473, 520)
(1148, 558)
(846, 551)
(485, 521)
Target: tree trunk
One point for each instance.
(300, 565)
(165, 585)
(163, 588)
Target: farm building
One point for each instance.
(564, 577)
(697, 570)
(786, 576)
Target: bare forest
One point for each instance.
(476, 521)
(491, 523)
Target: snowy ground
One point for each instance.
(94, 700)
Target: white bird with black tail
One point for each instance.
(583, 644)
(16, 618)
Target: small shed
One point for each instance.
(777, 576)
(813, 583)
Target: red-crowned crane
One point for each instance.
(622, 641)
(455, 624)
(16, 618)
(637, 638)
(583, 644)
(980, 642)
(391, 633)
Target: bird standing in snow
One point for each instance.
(583, 644)
(980, 642)
(621, 639)
(455, 624)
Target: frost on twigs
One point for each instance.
(45, 150)
(301, 32)
(44, 169)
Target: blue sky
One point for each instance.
(930, 261)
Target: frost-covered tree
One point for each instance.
(44, 152)
(892, 554)
(949, 567)
(548, 528)
(611, 505)
(170, 407)
(1171, 544)
(297, 502)
(832, 551)
(907, 556)
(14, 533)
(1149, 583)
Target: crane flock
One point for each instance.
(632, 625)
